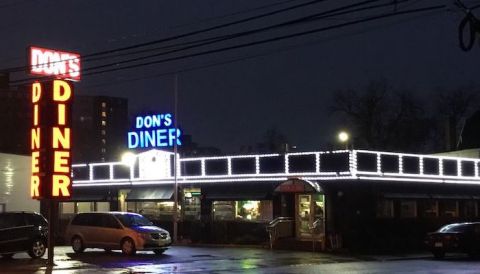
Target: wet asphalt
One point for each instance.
(188, 259)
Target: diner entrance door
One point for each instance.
(310, 220)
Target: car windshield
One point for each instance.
(454, 228)
(130, 220)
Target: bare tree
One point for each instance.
(452, 107)
(382, 118)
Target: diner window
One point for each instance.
(102, 206)
(191, 204)
(448, 208)
(429, 208)
(243, 210)
(67, 208)
(3, 207)
(408, 209)
(154, 210)
(385, 209)
(84, 207)
(469, 209)
(223, 210)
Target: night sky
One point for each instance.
(286, 84)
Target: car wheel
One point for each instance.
(438, 254)
(159, 251)
(7, 255)
(77, 245)
(37, 248)
(128, 247)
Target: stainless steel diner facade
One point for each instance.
(350, 198)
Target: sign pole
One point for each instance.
(51, 154)
(51, 231)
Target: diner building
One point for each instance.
(321, 200)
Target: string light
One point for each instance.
(350, 172)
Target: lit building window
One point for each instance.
(104, 132)
(104, 114)
(104, 104)
(104, 141)
(104, 123)
(242, 210)
(104, 150)
(84, 207)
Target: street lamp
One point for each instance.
(343, 138)
(128, 158)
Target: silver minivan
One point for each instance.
(126, 231)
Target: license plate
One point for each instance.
(438, 244)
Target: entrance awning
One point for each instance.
(90, 196)
(151, 193)
(298, 186)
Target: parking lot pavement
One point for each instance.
(176, 259)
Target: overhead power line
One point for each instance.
(191, 33)
(212, 40)
(278, 38)
(193, 44)
(248, 57)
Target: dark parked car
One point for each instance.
(457, 237)
(23, 231)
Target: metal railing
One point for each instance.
(313, 227)
(279, 227)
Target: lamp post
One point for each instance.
(343, 138)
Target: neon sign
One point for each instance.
(154, 131)
(51, 140)
(48, 62)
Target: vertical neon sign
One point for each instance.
(51, 140)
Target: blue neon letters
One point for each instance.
(154, 131)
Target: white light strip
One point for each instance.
(229, 163)
(459, 168)
(317, 175)
(420, 161)
(379, 163)
(400, 164)
(90, 172)
(287, 164)
(110, 171)
(414, 175)
(203, 167)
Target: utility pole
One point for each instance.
(175, 151)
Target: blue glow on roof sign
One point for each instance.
(155, 130)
